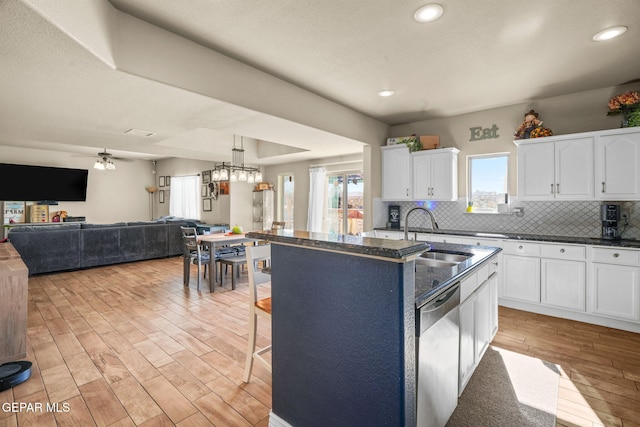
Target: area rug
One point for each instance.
(509, 389)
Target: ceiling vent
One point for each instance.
(138, 132)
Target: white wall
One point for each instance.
(112, 196)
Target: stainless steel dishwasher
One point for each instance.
(437, 350)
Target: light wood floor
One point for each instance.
(600, 381)
(128, 345)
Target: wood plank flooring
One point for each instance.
(600, 380)
(129, 345)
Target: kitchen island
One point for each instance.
(344, 325)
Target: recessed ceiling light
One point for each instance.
(385, 93)
(138, 132)
(428, 13)
(610, 33)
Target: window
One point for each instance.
(285, 196)
(488, 181)
(185, 195)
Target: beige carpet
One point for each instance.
(509, 389)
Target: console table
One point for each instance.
(13, 305)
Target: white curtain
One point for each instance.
(185, 195)
(317, 181)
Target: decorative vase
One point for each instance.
(630, 117)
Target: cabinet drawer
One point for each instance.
(563, 251)
(522, 248)
(473, 282)
(616, 256)
(475, 241)
(443, 238)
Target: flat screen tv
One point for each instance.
(36, 183)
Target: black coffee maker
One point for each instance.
(610, 216)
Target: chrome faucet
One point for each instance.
(434, 224)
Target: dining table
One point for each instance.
(211, 240)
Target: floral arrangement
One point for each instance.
(626, 100)
(540, 132)
(628, 104)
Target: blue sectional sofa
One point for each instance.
(71, 246)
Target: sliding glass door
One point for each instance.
(344, 203)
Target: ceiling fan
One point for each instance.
(105, 161)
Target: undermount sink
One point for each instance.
(441, 259)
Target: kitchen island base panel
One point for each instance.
(343, 336)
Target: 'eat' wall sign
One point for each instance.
(478, 133)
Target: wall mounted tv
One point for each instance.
(36, 183)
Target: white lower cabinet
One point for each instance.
(478, 322)
(615, 291)
(493, 286)
(563, 283)
(521, 278)
(467, 341)
(483, 319)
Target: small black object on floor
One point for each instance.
(14, 373)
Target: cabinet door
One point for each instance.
(396, 173)
(536, 166)
(563, 283)
(444, 176)
(421, 164)
(521, 278)
(493, 287)
(574, 169)
(467, 341)
(618, 167)
(615, 291)
(483, 319)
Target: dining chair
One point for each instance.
(278, 225)
(193, 253)
(257, 307)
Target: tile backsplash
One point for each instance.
(559, 218)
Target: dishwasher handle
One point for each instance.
(438, 308)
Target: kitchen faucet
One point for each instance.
(434, 224)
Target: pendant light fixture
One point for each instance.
(236, 171)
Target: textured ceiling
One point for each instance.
(481, 54)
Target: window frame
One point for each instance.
(469, 168)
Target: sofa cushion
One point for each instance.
(115, 224)
(44, 249)
(40, 228)
(100, 246)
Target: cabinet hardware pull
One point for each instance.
(561, 251)
(558, 188)
(616, 255)
(551, 188)
(520, 247)
(603, 186)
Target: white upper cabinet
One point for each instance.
(618, 166)
(600, 165)
(422, 175)
(396, 172)
(435, 174)
(561, 170)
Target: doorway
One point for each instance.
(285, 200)
(345, 199)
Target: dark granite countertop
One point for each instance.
(368, 246)
(629, 243)
(431, 282)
